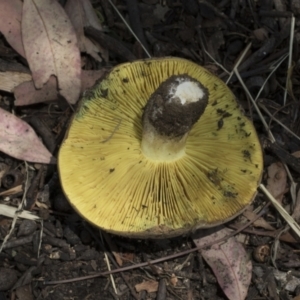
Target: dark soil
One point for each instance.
(70, 248)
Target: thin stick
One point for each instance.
(276, 66)
(162, 259)
(277, 121)
(108, 266)
(239, 61)
(129, 28)
(271, 136)
(18, 211)
(292, 223)
(290, 57)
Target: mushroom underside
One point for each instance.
(111, 183)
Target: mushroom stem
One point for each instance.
(169, 115)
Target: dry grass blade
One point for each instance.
(108, 267)
(236, 72)
(292, 223)
(275, 66)
(218, 64)
(277, 121)
(17, 211)
(129, 28)
(10, 211)
(290, 57)
(239, 62)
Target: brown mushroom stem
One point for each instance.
(169, 115)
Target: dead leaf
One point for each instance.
(174, 280)
(26, 93)
(296, 212)
(19, 140)
(277, 181)
(51, 46)
(260, 34)
(91, 18)
(80, 13)
(296, 154)
(286, 280)
(10, 211)
(10, 80)
(10, 23)
(128, 256)
(260, 222)
(24, 292)
(228, 260)
(13, 191)
(149, 286)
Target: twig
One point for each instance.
(20, 209)
(18, 242)
(110, 43)
(109, 267)
(254, 104)
(135, 22)
(159, 260)
(293, 224)
(277, 121)
(290, 58)
(129, 28)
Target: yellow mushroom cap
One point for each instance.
(113, 185)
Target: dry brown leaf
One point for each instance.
(24, 292)
(228, 260)
(91, 17)
(150, 286)
(277, 181)
(296, 154)
(10, 23)
(260, 34)
(128, 256)
(296, 212)
(10, 80)
(174, 280)
(81, 12)
(26, 93)
(15, 190)
(260, 222)
(18, 139)
(51, 46)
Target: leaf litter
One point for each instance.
(18, 139)
(51, 46)
(228, 260)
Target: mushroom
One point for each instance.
(159, 148)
